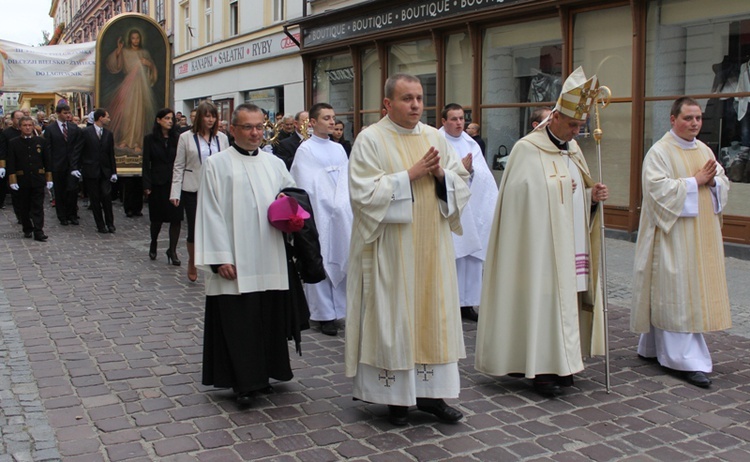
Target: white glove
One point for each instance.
(76, 174)
(2, 173)
(14, 186)
(50, 185)
(113, 178)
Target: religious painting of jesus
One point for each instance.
(132, 82)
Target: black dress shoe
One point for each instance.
(329, 328)
(27, 235)
(245, 399)
(137, 214)
(469, 313)
(647, 359)
(111, 229)
(697, 378)
(546, 385)
(129, 214)
(439, 409)
(152, 250)
(64, 222)
(41, 237)
(398, 415)
(74, 221)
(102, 230)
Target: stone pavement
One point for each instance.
(101, 360)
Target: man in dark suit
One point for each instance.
(61, 139)
(95, 158)
(288, 147)
(30, 170)
(8, 134)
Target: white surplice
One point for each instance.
(246, 186)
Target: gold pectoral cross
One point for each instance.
(559, 181)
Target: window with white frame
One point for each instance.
(234, 18)
(188, 29)
(159, 11)
(278, 10)
(209, 21)
(144, 7)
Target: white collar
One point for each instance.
(684, 144)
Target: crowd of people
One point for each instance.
(411, 233)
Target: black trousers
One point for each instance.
(131, 190)
(100, 199)
(189, 200)
(3, 189)
(66, 196)
(31, 208)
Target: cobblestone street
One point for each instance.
(101, 360)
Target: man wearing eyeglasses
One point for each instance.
(247, 287)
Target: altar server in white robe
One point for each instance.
(403, 331)
(320, 167)
(679, 285)
(476, 219)
(247, 287)
(541, 302)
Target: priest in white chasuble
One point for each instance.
(541, 304)
(248, 300)
(679, 284)
(476, 219)
(320, 167)
(403, 329)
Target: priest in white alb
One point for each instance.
(679, 284)
(541, 307)
(403, 328)
(476, 219)
(247, 287)
(320, 167)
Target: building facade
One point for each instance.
(237, 51)
(502, 58)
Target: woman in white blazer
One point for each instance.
(193, 147)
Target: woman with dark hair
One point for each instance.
(159, 151)
(338, 136)
(193, 147)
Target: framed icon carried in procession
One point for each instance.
(132, 82)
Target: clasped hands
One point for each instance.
(707, 173)
(428, 164)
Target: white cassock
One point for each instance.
(320, 168)
(679, 287)
(476, 221)
(403, 331)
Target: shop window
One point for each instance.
(372, 88)
(271, 100)
(521, 64)
(418, 58)
(695, 48)
(458, 67)
(602, 45)
(333, 83)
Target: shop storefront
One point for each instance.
(501, 59)
(266, 71)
